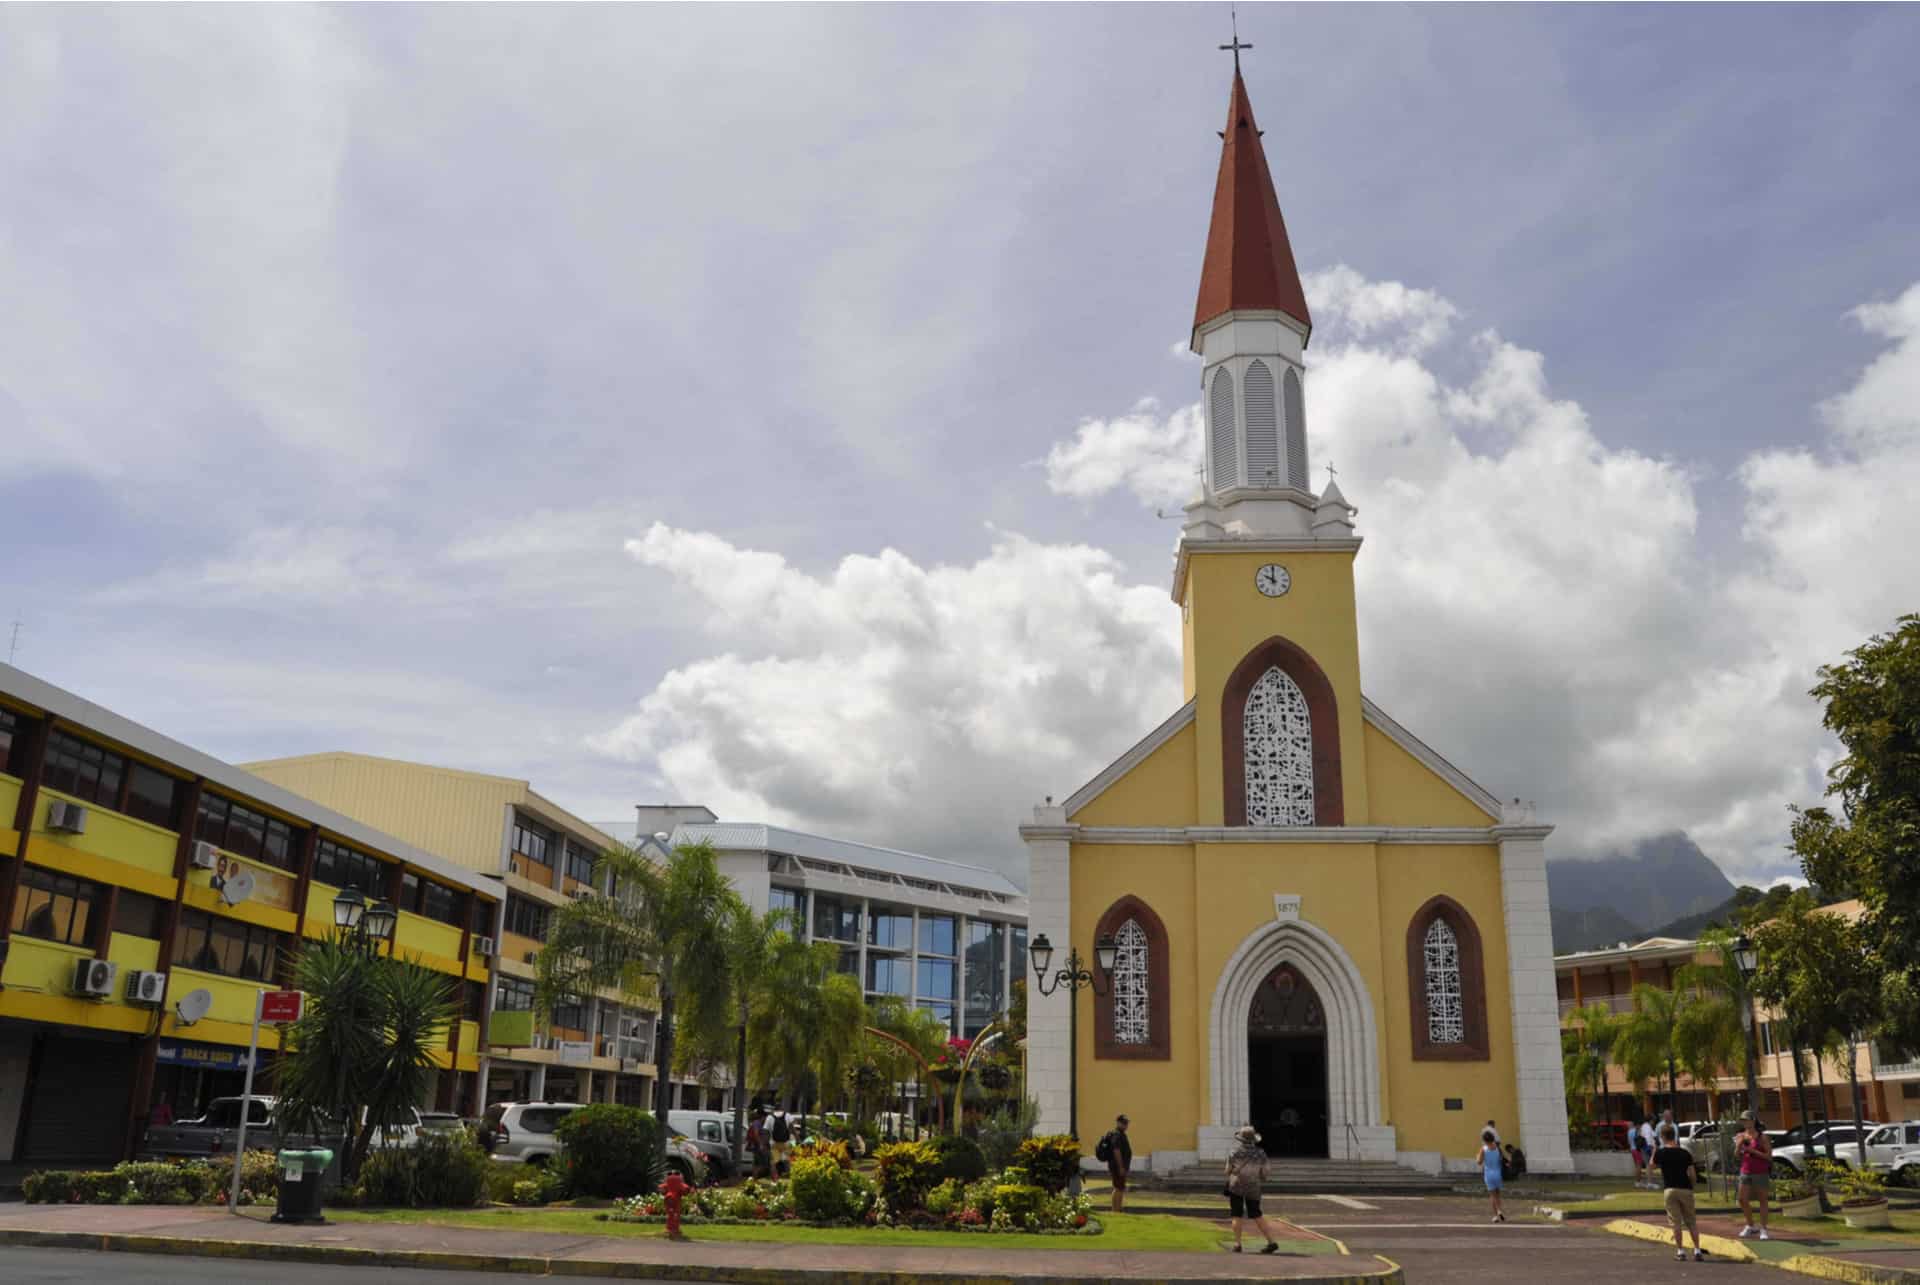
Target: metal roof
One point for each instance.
(740, 836)
(80, 712)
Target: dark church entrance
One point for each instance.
(1287, 1072)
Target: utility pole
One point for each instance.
(13, 647)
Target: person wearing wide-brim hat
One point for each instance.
(1246, 1176)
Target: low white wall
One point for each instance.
(1603, 1164)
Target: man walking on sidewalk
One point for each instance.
(1117, 1152)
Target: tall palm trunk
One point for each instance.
(1800, 1083)
(740, 1090)
(1859, 1117)
(663, 1087)
(1826, 1101)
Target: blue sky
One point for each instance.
(346, 350)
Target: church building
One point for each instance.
(1317, 924)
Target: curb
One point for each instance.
(1838, 1269)
(534, 1265)
(1718, 1246)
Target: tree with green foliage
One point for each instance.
(1788, 979)
(806, 1030)
(1870, 848)
(363, 1049)
(661, 938)
(754, 945)
(1645, 1046)
(1599, 1031)
(1715, 1022)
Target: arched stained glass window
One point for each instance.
(1279, 752)
(1132, 1014)
(1446, 1018)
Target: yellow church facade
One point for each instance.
(1320, 926)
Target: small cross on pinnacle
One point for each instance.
(1237, 45)
(1331, 471)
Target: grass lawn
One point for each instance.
(1164, 1232)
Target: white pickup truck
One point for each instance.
(218, 1131)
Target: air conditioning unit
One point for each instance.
(145, 987)
(483, 946)
(581, 894)
(205, 855)
(532, 955)
(68, 817)
(94, 977)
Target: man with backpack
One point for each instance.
(1114, 1151)
(780, 1139)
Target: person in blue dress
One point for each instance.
(1490, 1171)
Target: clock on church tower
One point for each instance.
(1331, 932)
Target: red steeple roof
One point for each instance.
(1249, 263)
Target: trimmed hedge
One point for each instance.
(960, 1158)
(440, 1171)
(156, 1182)
(608, 1150)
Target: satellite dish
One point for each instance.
(238, 887)
(193, 1006)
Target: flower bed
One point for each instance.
(1004, 1203)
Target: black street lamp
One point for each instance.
(1747, 960)
(1075, 977)
(366, 925)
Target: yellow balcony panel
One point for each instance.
(67, 1010)
(478, 968)
(112, 835)
(511, 1028)
(418, 934)
(9, 841)
(467, 1062)
(438, 963)
(234, 1003)
(41, 965)
(244, 889)
(53, 852)
(469, 1041)
(134, 954)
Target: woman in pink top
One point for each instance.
(1756, 1174)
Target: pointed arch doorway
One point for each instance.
(1287, 1064)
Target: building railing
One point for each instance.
(1614, 1003)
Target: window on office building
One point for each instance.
(794, 902)
(936, 934)
(135, 914)
(344, 867)
(532, 842)
(244, 831)
(942, 1011)
(849, 961)
(580, 862)
(887, 976)
(83, 770)
(55, 907)
(12, 727)
(512, 994)
(890, 929)
(936, 979)
(527, 918)
(835, 919)
(986, 973)
(212, 944)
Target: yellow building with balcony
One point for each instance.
(543, 856)
(136, 872)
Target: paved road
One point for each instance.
(83, 1267)
(1446, 1240)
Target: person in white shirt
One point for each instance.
(1647, 1148)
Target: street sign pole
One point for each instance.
(246, 1105)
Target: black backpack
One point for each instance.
(1103, 1149)
(781, 1133)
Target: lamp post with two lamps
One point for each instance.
(1076, 978)
(365, 925)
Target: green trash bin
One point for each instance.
(301, 1173)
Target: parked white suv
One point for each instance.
(524, 1133)
(1884, 1146)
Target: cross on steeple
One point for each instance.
(1237, 45)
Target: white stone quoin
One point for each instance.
(1047, 1015)
(1538, 1082)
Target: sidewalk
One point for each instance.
(206, 1231)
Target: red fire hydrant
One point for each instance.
(674, 1188)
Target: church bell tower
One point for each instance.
(1250, 329)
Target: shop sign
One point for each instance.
(212, 1057)
(574, 1052)
(281, 1006)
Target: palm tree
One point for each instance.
(662, 934)
(1646, 1042)
(1715, 978)
(805, 1031)
(753, 950)
(364, 1048)
(923, 1034)
(1600, 1027)
(1708, 1040)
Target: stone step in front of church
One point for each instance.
(1310, 1177)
